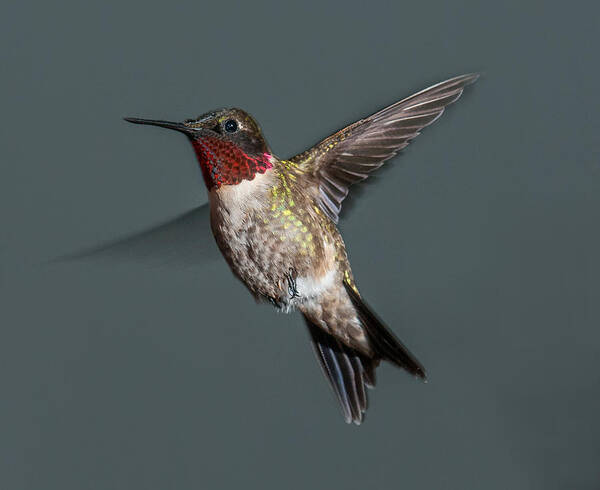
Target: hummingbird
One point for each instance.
(275, 223)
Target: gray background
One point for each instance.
(479, 246)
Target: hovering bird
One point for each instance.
(274, 221)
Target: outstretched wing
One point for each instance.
(185, 242)
(352, 153)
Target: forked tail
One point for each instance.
(349, 371)
(383, 341)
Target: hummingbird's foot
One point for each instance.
(291, 280)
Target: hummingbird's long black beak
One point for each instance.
(163, 124)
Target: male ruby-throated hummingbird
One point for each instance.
(274, 221)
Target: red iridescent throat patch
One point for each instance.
(224, 163)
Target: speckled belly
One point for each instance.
(275, 254)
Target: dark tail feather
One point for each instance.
(384, 342)
(348, 372)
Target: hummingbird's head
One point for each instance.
(228, 142)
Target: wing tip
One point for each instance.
(471, 77)
(462, 80)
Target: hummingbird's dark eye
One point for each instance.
(230, 126)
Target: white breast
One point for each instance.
(234, 202)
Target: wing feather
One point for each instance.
(352, 153)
